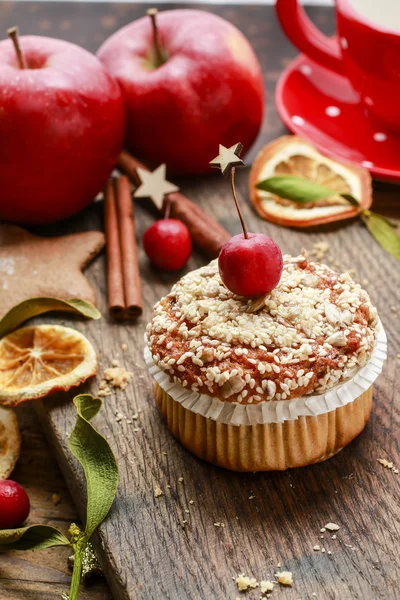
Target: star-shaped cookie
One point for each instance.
(32, 266)
(154, 185)
(228, 158)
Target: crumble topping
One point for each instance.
(315, 329)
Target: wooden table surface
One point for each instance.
(269, 519)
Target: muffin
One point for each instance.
(280, 381)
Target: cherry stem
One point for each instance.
(152, 12)
(13, 35)
(246, 235)
(167, 208)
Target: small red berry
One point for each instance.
(250, 266)
(14, 504)
(168, 245)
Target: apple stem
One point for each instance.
(152, 12)
(13, 35)
(246, 235)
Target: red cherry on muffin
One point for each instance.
(14, 504)
(168, 245)
(250, 264)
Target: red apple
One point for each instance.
(61, 129)
(209, 89)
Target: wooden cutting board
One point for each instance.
(269, 519)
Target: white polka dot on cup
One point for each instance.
(380, 137)
(368, 101)
(332, 111)
(296, 120)
(344, 43)
(306, 69)
(367, 164)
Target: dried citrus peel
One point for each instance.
(10, 441)
(291, 155)
(36, 361)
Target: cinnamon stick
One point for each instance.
(124, 289)
(130, 262)
(116, 300)
(206, 233)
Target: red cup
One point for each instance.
(366, 50)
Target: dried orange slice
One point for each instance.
(10, 441)
(35, 361)
(291, 155)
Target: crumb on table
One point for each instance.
(388, 465)
(118, 377)
(332, 527)
(244, 583)
(284, 577)
(157, 491)
(266, 586)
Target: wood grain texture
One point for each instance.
(269, 519)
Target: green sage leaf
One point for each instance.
(300, 189)
(35, 537)
(98, 461)
(383, 232)
(37, 306)
(392, 224)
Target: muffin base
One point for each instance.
(268, 446)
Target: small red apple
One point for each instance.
(61, 129)
(203, 88)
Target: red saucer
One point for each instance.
(322, 107)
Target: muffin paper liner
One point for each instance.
(233, 413)
(268, 446)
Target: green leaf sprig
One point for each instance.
(101, 474)
(382, 231)
(302, 190)
(34, 537)
(37, 306)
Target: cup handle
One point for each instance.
(306, 37)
